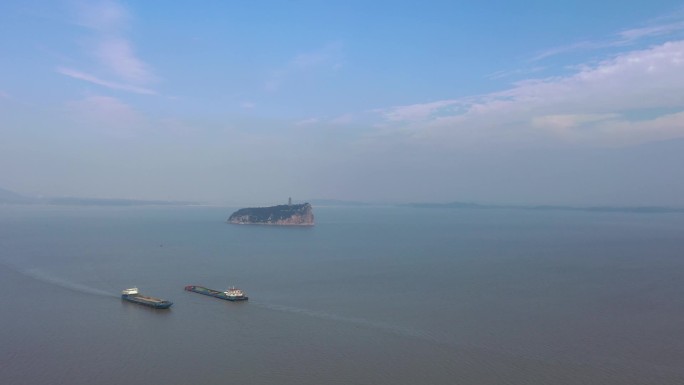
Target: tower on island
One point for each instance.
(289, 201)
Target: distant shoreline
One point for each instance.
(8, 197)
(597, 209)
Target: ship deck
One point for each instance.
(149, 299)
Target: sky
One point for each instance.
(251, 102)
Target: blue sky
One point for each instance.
(250, 102)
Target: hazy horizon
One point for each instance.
(572, 103)
(12, 197)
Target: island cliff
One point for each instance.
(281, 215)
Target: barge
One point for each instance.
(133, 295)
(232, 294)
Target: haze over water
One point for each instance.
(376, 295)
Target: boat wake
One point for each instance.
(41, 276)
(383, 326)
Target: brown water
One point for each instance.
(368, 296)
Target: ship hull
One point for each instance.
(214, 293)
(147, 301)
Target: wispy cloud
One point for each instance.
(651, 31)
(112, 85)
(342, 119)
(516, 72)
(114, 117)
(116, 65)
(579, 46)
(247, 105)
(590, 106)
(420, 111)
(105, 16)
(106, 114)
(307, 122)
(117, 54)
(328, 58)
(664, 27)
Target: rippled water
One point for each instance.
(368, 296)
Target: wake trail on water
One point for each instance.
(383, 326)
(436, 338)
(51, 279)
(488, 350)
(407, 332)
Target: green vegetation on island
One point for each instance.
(282, 215)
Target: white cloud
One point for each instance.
(625, 132)
(588, 106)
(565, 127)
(114, 54)
(564, 122)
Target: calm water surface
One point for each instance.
(368, 296)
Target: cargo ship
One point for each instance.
(231, 294)
(132, 295)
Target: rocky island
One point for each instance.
(281, 215)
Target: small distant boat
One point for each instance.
(232, 294)
(133, 295)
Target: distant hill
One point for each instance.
(624, 209)
(68, 201)
(453, 205)
(335, 202)
(10, 197)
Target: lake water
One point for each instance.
(374, 295)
